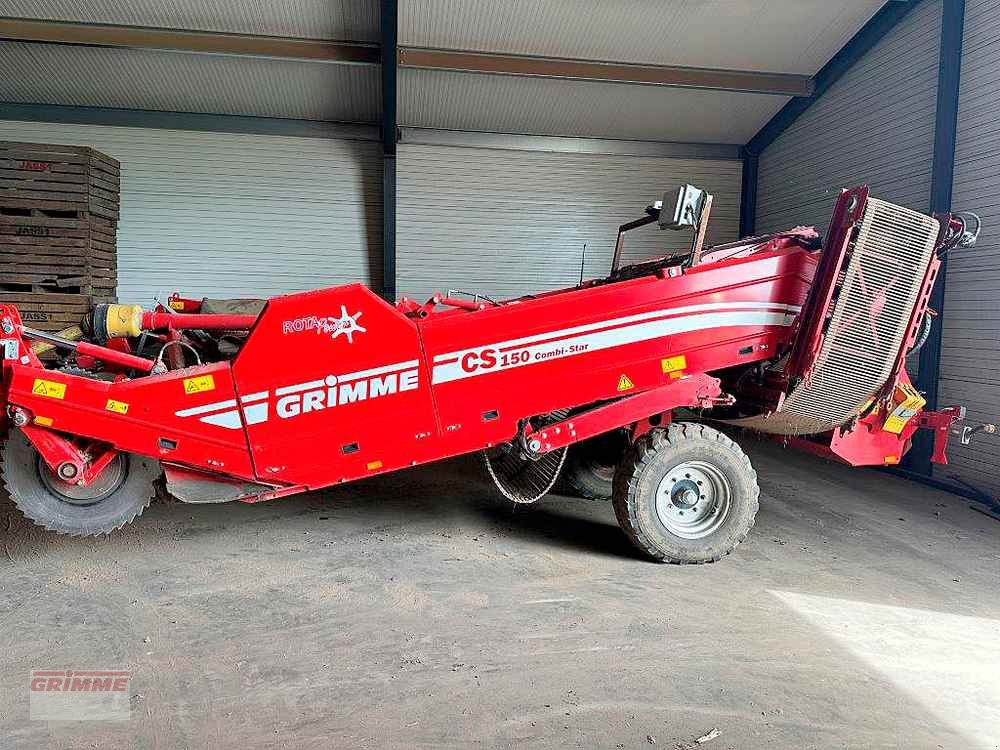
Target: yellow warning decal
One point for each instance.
(43, 421)
(199, 384)
(374, 465)
(176, 304)
(118, 407)
(625, 383)
(672, 364)
(906, 403)
(48, 388)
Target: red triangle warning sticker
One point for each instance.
(624, 383)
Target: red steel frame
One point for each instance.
(309, 401)
(336, 384)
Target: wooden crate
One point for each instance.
(58, 220)
(50, 312)
(60, 178)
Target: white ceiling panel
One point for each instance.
(781, 36)
(542, 106)
(166, 81)
(344, 20)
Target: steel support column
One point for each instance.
(942, 176)
(388, 9)
(748, 194)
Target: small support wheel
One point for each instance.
(119, 494)
(686, 494)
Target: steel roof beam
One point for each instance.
(781, 84)
(176, 40)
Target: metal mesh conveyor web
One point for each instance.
(870, 315)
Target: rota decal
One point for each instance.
(346, 325)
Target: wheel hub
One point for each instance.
(68, 491)
(693, 499)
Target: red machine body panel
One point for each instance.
(333, 386)
(151, 415)
(336, 384)
(534, 356)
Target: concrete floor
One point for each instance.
(414, 611)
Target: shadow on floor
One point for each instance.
(554, 522)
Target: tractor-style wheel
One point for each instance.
(686, 494)
(590, 465)
(117, 496)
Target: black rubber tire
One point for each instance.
(646, 464)
(19, 473)
(591, 465)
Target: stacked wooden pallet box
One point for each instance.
(58, 226)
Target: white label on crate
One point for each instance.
(10, 349)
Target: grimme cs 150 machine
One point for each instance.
(304, 391)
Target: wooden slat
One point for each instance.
(99, 235)
(38, 155)
(80, 223)
(33, 243)
(101, 222)
(102, 209)
(40, 183)
(110, 196)
(44, 198)
(33, 298)
(97, 165)
(24, 254)
(64, 270)
(51, 148)
(111, 185)
(41, 232)
(9, 173)
(54, 167)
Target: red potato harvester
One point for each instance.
(251, 400)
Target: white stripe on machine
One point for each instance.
(312, 395)
(569, 342)
(638, 318)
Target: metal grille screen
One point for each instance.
(877, 295)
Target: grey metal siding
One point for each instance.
(313, 19)
(794, 36)
(594, 109)
(875, 125)
(235, 215)
(506, 223)
(163, 81)
(970, 354)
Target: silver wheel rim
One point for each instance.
(693, 499)
(104, 485)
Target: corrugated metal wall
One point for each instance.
(875, 125)
(148, 79)
(592, 109)
(970, 355)
(506, 223)
(235, 215)
(792, 36)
